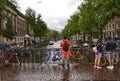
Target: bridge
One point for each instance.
(34, 68)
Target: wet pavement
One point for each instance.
(54, 72)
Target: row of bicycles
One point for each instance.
(77, 55)
(7, 54)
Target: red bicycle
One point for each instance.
(5, 59)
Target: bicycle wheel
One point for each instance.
(18, 60)
(83, 58)
(1, 62)
(103, 61)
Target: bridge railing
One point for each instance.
(42, 55)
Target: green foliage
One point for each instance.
(9, 32)
(92, 14)
(72, 26)
(30, 17)
(55, 34)
(2, 3)
(10, 3)
(40, 27)
(37, 25)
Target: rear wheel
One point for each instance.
(82, 58)
(103, 61)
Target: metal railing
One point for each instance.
(40, 55)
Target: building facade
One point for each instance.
(18, 22)
(112, 28)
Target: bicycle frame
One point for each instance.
(4, 58)
(78, 57)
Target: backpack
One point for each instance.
(65, 47)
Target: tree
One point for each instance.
(93, 14)
(40, 27)
(9, 32)
(37, 25)
(9, 3)
(72, 26)
(55, 35)
(30, 17)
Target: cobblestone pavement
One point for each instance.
(54, 72)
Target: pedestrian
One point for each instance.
(98, 49)
(65, 44)
(110, 46)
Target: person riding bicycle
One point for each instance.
(65, 44)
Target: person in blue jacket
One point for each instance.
(98, 54)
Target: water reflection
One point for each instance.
(65, 74)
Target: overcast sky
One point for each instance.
(54, 12)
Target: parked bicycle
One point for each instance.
(7, 55)
(104, 60)
(77, 56)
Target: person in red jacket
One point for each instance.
(65, 53)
